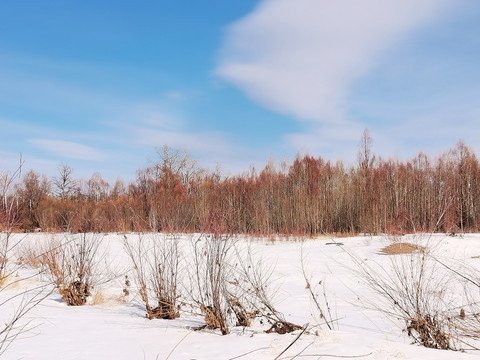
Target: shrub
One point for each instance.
(210, 279)
(72, 265)
(155, 260)
(416, 290)
(258, 290)
(233, 287)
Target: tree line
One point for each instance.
(310, 196)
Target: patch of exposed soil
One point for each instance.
(401, 248)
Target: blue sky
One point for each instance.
(98, 85)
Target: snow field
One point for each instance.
(113, 326)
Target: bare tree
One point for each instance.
(177, 162)
(31, 192)
(365, 157)
(9, 214)
(64, 183)
(97, 187)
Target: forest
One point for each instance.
(307, 196)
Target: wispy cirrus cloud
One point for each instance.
(78, 119)
(300, 57)
(211, 148)
(69, 149)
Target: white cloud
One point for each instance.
(205, 143)
(434, 132)
(300, 57)
(68, 149)
(175, 95)
(332, 141)
(211, 148)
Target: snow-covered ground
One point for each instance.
(112, 326)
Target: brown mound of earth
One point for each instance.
(400, 248)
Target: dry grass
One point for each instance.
(104, 300)
(98, 298)
(340, 235)
(401, 248)
(3, 280)
(30, 257)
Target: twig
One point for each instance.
(330, 355)
(305, 348)
(248, 353)
(176, 345)
(293, 342)
(312, 295)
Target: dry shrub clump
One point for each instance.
(257, 290)
(429, 332)
(72, 265)
(210, 278)
(155, 259)
(283, 327)
(233, 287)
(416, 290)
(244, 314)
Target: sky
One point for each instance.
(100, 85)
